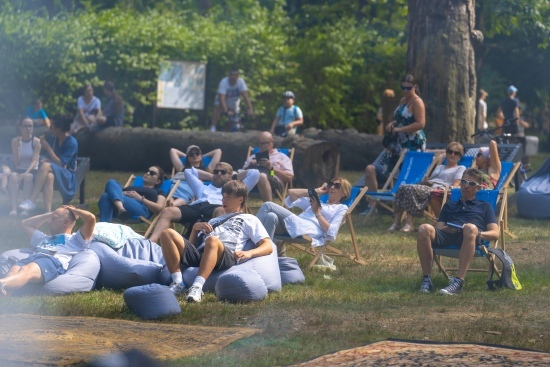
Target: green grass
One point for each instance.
(349, 307)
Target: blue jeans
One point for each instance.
(113, 192)
(273, 218)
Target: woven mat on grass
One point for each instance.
(53, 340)
(418, 353)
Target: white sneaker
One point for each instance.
(13, 213)
(194, 294)
(27, 205)
(212, 128)
(178, 288)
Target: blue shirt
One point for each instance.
(288, 115)
(35, 115)
(479, 213)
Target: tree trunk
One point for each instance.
(440, 55)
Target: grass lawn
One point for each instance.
(346, 308)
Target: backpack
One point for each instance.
(508, 277)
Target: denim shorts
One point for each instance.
(50, 267)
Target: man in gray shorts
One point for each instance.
(52, 253)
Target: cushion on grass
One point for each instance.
(80, 276)
(240, 285)
(290, 271)
(267, 267)
(114, 234)
(136, 263)
(151, 301)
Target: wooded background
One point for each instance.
(337, 56)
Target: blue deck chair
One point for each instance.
(166, 186)
(415, 168)
(490, 196)
(290, 153)
(303, 243)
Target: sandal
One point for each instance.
(407, 228)
(3, 290)
(123, 215)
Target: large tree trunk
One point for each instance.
(440, 55)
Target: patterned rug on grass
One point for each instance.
(418, 353)
(53, 340)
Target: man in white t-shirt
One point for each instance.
(221, 244)
(52, 253)
(228, 99)
(274, 172)
(482, 111)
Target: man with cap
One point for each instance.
(288, 117)
(482, 111)
(510, 110)
(208, 203)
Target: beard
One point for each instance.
(218, 181)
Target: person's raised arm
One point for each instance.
(87, 229)
(33, 223)
(205, 176)
(175, 158)
(216, 155)
(192, 178)
(495, 167)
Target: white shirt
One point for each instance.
(235, 232)
(211, 193)
(95, 104)
(306, 223)
(482, 114)
(61, 246)
(232, 93)
(278, 160)
(444, 176)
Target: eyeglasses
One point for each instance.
(454, 152)
(194, 154)
(222, 171)
(151, 173)
(265, 142)
(469, 183)
(337, 185)
(406, 88)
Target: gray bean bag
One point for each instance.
(137, 263)
(245, 277)
(80, 276)
(151, 301)
(533, 198)
(290, 271)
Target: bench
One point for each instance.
(83, 167)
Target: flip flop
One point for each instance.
(3, 290)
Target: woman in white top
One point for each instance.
(320, 222)
(413, 198)
(26, 152)
(89, 108)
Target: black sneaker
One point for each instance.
(454, 287)
(427, 285)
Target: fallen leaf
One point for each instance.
(493, 332)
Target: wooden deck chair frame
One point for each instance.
(287, 185)
(304, 243)
(481, 251)
(393, 176)
(151, 222)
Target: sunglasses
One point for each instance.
(264, 142)
(222, 171)
(337, 185)
(194, 154)
(469, 183)
(151, 173)
(406, 88)
(454, 152)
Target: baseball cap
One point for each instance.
(191, 147)
(512, 89)
(484, 152)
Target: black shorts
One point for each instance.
(450, 239)
(192, 257)
(193, 213)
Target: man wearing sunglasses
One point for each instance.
(274, 172)
(462, 224)
(208, 203)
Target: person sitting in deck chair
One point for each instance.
(463, 223)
